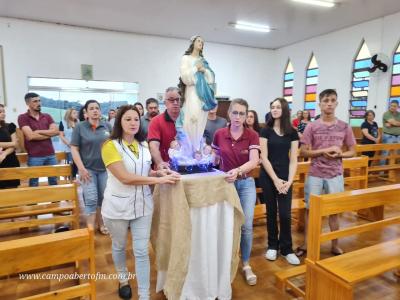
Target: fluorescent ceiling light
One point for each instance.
(250, 26)
(317, 2)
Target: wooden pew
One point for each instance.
(298, 204)
(259, 209)
(36, 201)
(392, 165)
(334, 278)
(35, 172)
(355, 177)
(358, 133)
(24, 173)
(325, 205)
(47, 251)
(23, 157)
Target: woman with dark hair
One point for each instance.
(82, 115)
(139, 107)
(279, 145)
(252, 121)
(86, 141)
(8, 144)
(370, 132)
(237, 148)
(198, 83)
(128, 201)
(306, 118)
(297, 120)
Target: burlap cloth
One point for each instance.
(171, 228)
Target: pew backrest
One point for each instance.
(390, 158)
(23, 157)
(355, 174)
(331, 204)
(59, 201)
(24, 173)
(34, 253)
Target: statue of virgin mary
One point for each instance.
(198, 90)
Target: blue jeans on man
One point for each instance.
(388, 139)
(49, 160)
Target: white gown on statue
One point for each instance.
(195, 118)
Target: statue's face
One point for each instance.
(198, 44)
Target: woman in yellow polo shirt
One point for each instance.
(128, 202)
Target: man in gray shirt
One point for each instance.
(152, 111)
(213, 124)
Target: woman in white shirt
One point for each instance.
(128, 201)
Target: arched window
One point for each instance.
(360, 86)
(395, 86)
(310, 96)
(288, 78)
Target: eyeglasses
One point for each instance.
(238, 113)
(173, 100)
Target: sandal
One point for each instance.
(300, 252)
(251, 278)
(337, 251)
(103, 230)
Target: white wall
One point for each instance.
(335, 53)
(48, 50)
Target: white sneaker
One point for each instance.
(271, 254)
(292, 259)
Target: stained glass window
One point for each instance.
(395, 86)
(311, 86)
(288, 83)
(360, 86)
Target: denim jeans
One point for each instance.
(140, 231)
(318, 186)
(42, 161)
(246, 190)
(388, 139)
(93, 191)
